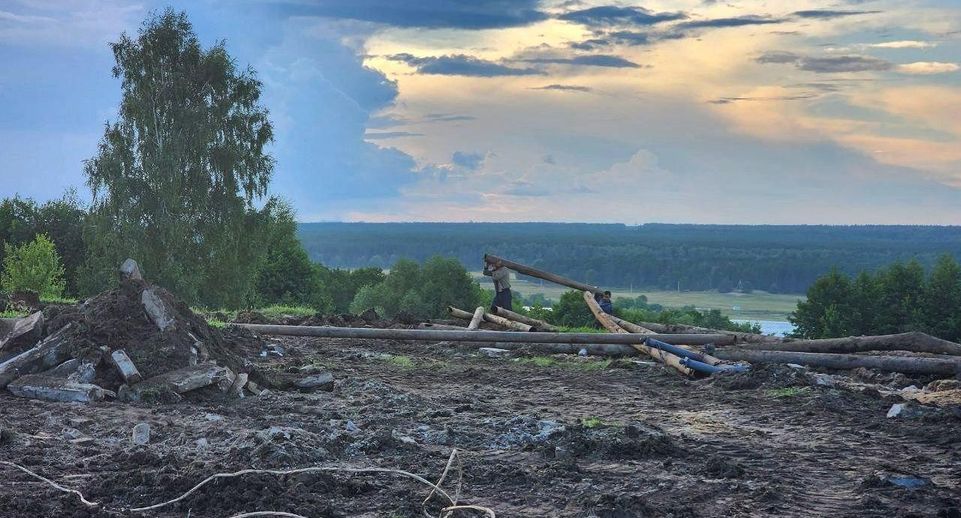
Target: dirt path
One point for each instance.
(569, 437)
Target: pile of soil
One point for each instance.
(116, 319)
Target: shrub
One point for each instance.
(33, 266)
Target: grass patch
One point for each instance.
(58, 300)
(400, 361)
(594, 365)
(786, 392)
(12, 314)
(583, 329)
(592, 422)
(539, 361)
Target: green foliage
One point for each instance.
(786, 392)
(285, 274)
(896, 299)
(424, 291)
(21, 219)
(572, 311)
(592, 422)
(33, 266)
(176, 178)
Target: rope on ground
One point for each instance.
(54, 484)
(450, 461)
(293, 472)
(267, 513)
(449, 511)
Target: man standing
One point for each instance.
(502, 284)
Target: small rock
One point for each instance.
(72, 433)
(85, 373)
(796, 366)
(582, 352)
(65, 369)
(213, 417)
(201, 443)
(128, 371)
(905, 411)
(254, 388)
(562, 453)
(351, 427)
(130, 270)
(322, 381)
(141, 434)
(237, 389)
(493, 352)
(272, 350)
(403, 439)
(823, 380)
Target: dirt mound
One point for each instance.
(158, 340)
(771, 376)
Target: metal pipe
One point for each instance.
(437, 335)
(712, 369)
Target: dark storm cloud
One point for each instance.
(598, 60)
(615, 15)
(737, 21)
(563, 88)
(461, 65)
(826, 64)
(431, 14)
(828, 14)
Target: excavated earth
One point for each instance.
(537, 437)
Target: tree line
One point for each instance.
(773, 258)
(899, 298)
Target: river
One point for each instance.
(771, 327)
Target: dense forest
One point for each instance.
(775, 258)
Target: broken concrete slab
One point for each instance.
(51, 351)
(38, 386)
(24, 332)
(128, 371)
(130, 270)
(181, 381)
(237, 388)
(156, 309)
(65, 369)
(494, 352)
(85, 373)
(321, 381)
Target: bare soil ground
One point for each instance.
(565, 436)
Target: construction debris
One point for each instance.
(48, 388)
(130, 271)
(140, 434)
(25, 330)
(128, 371)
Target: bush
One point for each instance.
(33, 266)
(423, 291)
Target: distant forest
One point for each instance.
(774, 258)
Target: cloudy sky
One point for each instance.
(708, 111)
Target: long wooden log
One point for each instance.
(476, 320)
(914, 342)
(613, 350)
(50, 352)
(541, 274)
(740, 337)
(904, 364)
(463, 335)
(658, 354)
(539, 325)
(493, 319)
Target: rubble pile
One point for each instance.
(134, 342)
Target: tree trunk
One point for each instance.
(914, 342)
(476, 319)
(658, 354)
(907, 365)
(493, 319)
(540, 325)
(463, 335)
(541, 274)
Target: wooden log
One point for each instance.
(914, 342)
(431, 325)
(541, 274)
(612, 350)
(904, 364)
(463, 335)
(658, 354)
(634, 328)
(493, 319)
(738, 336)
(476, 320)
(49, 353)
(25, 331)
(539, 325)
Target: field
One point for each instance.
(536, 436)
(758, 305)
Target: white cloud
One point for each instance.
(902, 44)
(928, 67)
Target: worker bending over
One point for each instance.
(502, 284)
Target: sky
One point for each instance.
(686, 111)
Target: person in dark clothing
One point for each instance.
(501, 276)
(606, 304)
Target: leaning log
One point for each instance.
(463, 335)
(493, 319)
(476, 320)
(631, 326)
(634, 328)
(658, 354)
(541, 274)
(49, 353)
(739, 336)
(915, 342)
(540, 325)
(904, 364)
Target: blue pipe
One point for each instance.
(692, 359)
(673, 349)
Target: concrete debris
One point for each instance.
(494, 352)
(940, 385)
(141, 434)
(272, 350)
(130, 270)
(254, 388)
(156, 309)
(39, 386)
(65, 369)
(85, 373)
(180, 381)
(25, 331)
(128, 371)
(48, 353)
(322, 381)
(907, 411)
(237, 388)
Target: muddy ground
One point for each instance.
(544, 436)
